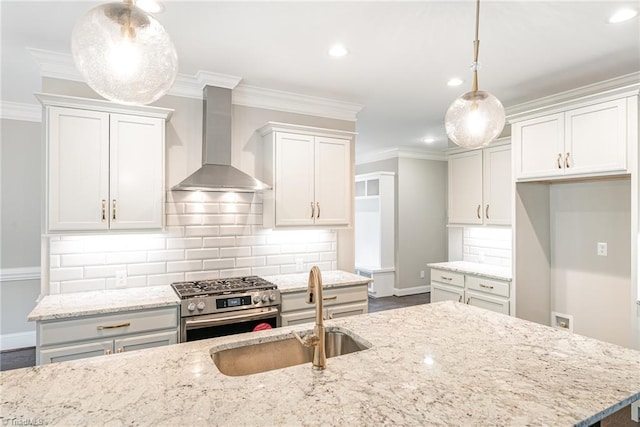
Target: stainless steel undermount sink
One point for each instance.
(268, 356)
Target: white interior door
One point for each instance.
(332, 181)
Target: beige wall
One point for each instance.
(594, 289)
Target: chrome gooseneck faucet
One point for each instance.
(317, 339)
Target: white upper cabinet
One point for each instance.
(580, 142)
(311, 174)
(105, 165)
(480, 186)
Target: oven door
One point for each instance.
(227, 323)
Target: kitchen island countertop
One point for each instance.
(433, 364)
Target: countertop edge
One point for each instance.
(443, 266)
(99, 311)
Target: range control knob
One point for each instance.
(272, 297)
(191, 306)
(201, 305)
(256, 299)
(265, 298)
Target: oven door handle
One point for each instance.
(224, 320)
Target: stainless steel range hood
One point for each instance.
(216, 173)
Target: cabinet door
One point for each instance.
(538, 146)
(347, 310)
(499, 305)
(332, 181)
(136, 179)
(465, 188)
(497, 185)
(74, 352)
(145, 341)
(441, 292)
(596, 138)
(294, 180)
(78, 178)
(296, 318)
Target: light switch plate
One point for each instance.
(602, 248)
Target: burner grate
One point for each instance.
(221, 286)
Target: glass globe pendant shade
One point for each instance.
(474, 119)
(124, 54)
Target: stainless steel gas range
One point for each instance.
(214, 308)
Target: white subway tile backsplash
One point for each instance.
(184, 242)
(217, 264)
(202, 253)
(235, 252)
(175, 266)
(487, 245)
(80, 260)
(146, 269)
(168, 255)
(60, 274)
(208, 235)
(201, 231)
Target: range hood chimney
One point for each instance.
(216, 173)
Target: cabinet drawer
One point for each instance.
(112, 325)
(493, 287)
(296, 300)
(488, 302)
(447, 277)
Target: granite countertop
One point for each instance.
(330, 279)
(433, 364)
(62, 306)
(485, 270)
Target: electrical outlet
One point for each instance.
(602, 249)
(422, 274)
(121, 278)
(299, 264)
(562, 321)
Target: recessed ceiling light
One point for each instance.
(151, 6)
(455, 82)
(338, 50)
(429, 140)
(622, 15)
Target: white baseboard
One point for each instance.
(18, 340)
(411, 291)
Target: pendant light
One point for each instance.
(476, 118)
(124, 53)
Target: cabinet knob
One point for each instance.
(566, 161)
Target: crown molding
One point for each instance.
(61, 66)
(271, 99)
(19, 111)
(629, 83)
(399, 153)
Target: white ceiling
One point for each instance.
(401, 53)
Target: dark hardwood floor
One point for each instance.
(389, 303)
(19, 358)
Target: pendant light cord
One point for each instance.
(476, 49)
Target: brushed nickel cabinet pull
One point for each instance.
(121, 325)
(566, 161)
(478, 211)
(313, 210)
(482, 285)
(114, 206)
(460, 299)
(107, 351)
(558, 160)
(318, 204)
(486, 212)
(446, 278)
(104, 210)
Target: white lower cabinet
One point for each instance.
(337, 302)
(81, 337)
(479, 291)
